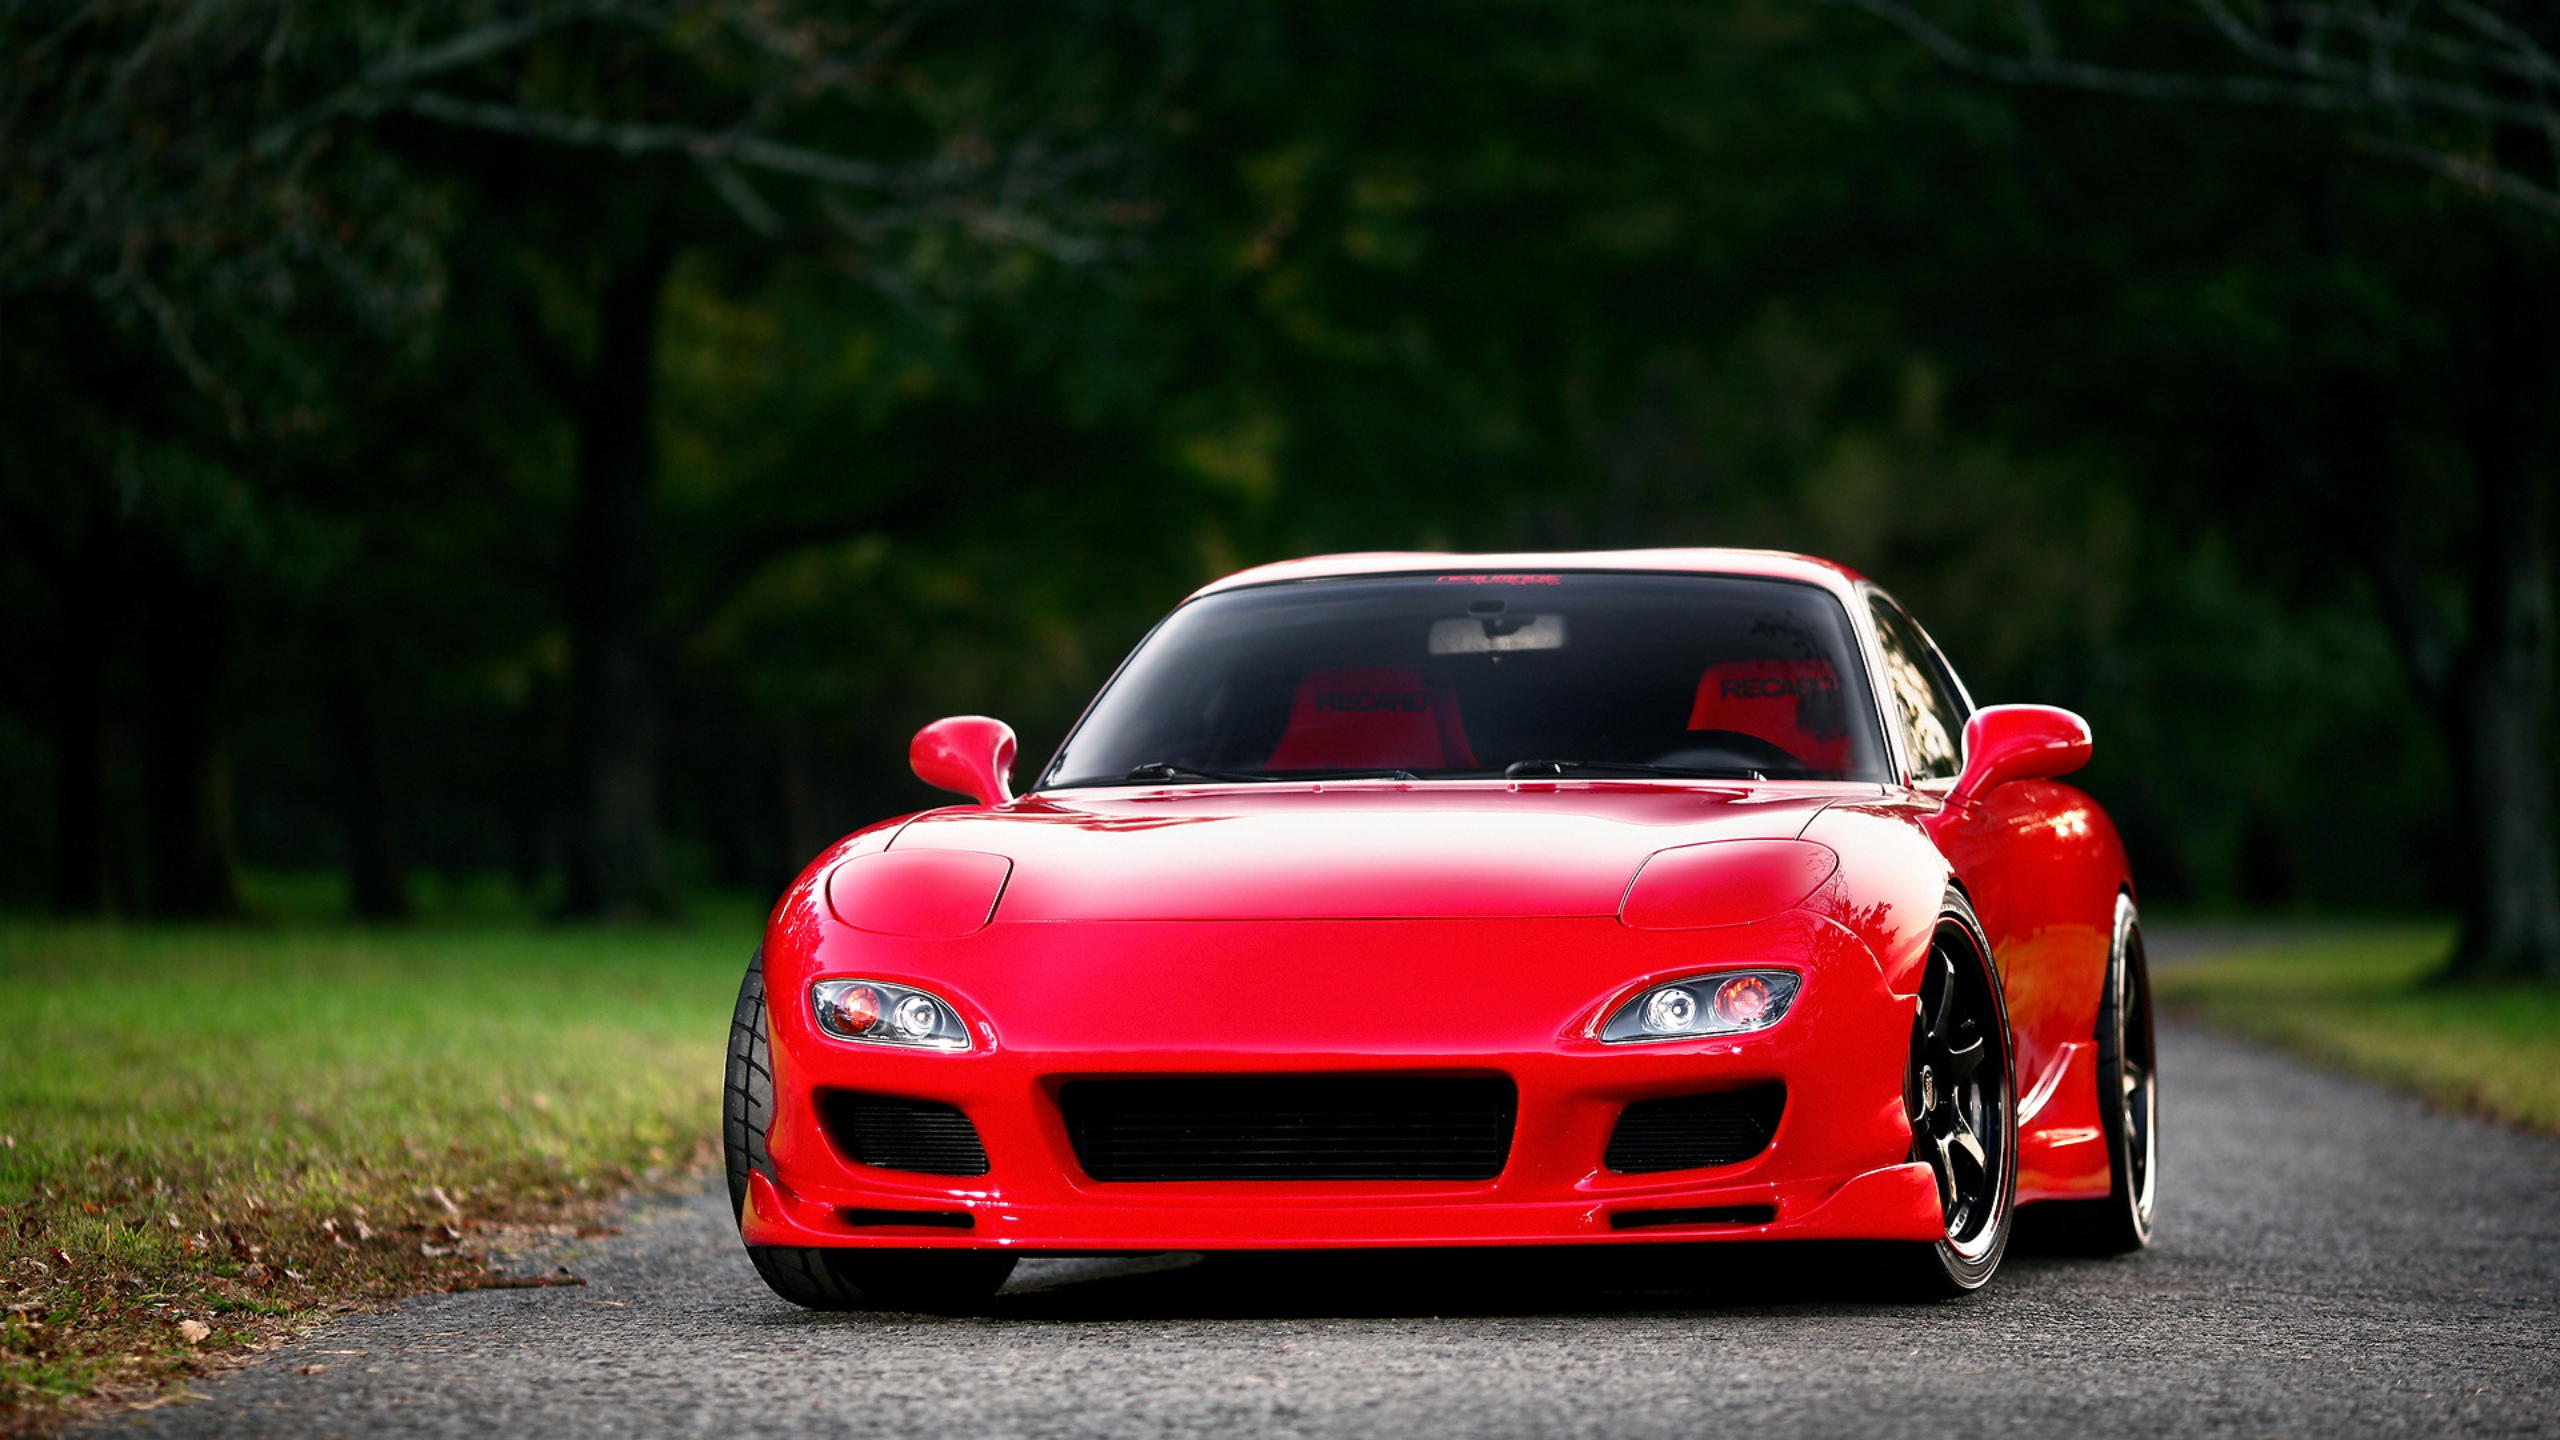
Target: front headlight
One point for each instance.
(880, 1013)
(1729, 1002)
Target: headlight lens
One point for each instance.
(880, 1013)
(1730, 1002)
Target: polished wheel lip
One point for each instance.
(1957, 1103)
(2135, 1043)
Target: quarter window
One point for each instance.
(1932, 716)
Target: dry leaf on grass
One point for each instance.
(194, 1332)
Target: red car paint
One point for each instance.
(1451, 927)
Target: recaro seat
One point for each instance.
(1373, 717)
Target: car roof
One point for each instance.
(1698, 560)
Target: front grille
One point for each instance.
(1291, 1127)
(1691, 1132)
(920, 1135)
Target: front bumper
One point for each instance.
(1114, 999)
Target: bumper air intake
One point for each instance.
(1291, 1127)
(1693, 1132)
(923, 1136)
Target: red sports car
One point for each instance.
(1429, 900)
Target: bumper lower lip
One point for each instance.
(1892, 1202)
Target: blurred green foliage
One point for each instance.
(1523, 275)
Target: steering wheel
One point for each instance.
(1730, 750)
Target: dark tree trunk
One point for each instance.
(2495, 706)
(616, 869)
(90, 591)
(186, 787)
(377, 889)
(2497, 721)
(2485, 681)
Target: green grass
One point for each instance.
(244, 1128)
(2360, 1000)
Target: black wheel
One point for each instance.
(1960, 1093)
(2128, 1106)
(822, 1279)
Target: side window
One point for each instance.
(1931, 715)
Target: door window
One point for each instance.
(1932, 716)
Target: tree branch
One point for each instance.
(2503, 183)
(2486, 70)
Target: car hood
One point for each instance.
(1362, 850)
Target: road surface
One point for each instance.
(2331, 1260)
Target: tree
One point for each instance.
(2453, 538)
(191, 168)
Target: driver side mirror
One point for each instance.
(967, 753)
(2019, 742)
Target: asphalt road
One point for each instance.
(2331, 1260)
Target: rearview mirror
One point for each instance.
(967, 753)
(2019, 742)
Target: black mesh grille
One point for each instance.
(1690, 1132)
(920, 1135)
(1291, 1127)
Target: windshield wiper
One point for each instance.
(1162, 771)
(1159, 770)
(1518, 768)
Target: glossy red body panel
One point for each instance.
(1724, 882)
(1455, 928)
(936, 894)
(1362, 849)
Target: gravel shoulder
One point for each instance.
(2332, 1260)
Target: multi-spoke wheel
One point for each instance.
(1961, 1099)
(2128, 1105)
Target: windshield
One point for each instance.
(1449, 676)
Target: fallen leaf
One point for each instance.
(311, 1369)
(363, 1231)
(194, 1332)
(59, 1257)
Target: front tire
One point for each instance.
(815, 1278)
(1960, 1094)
